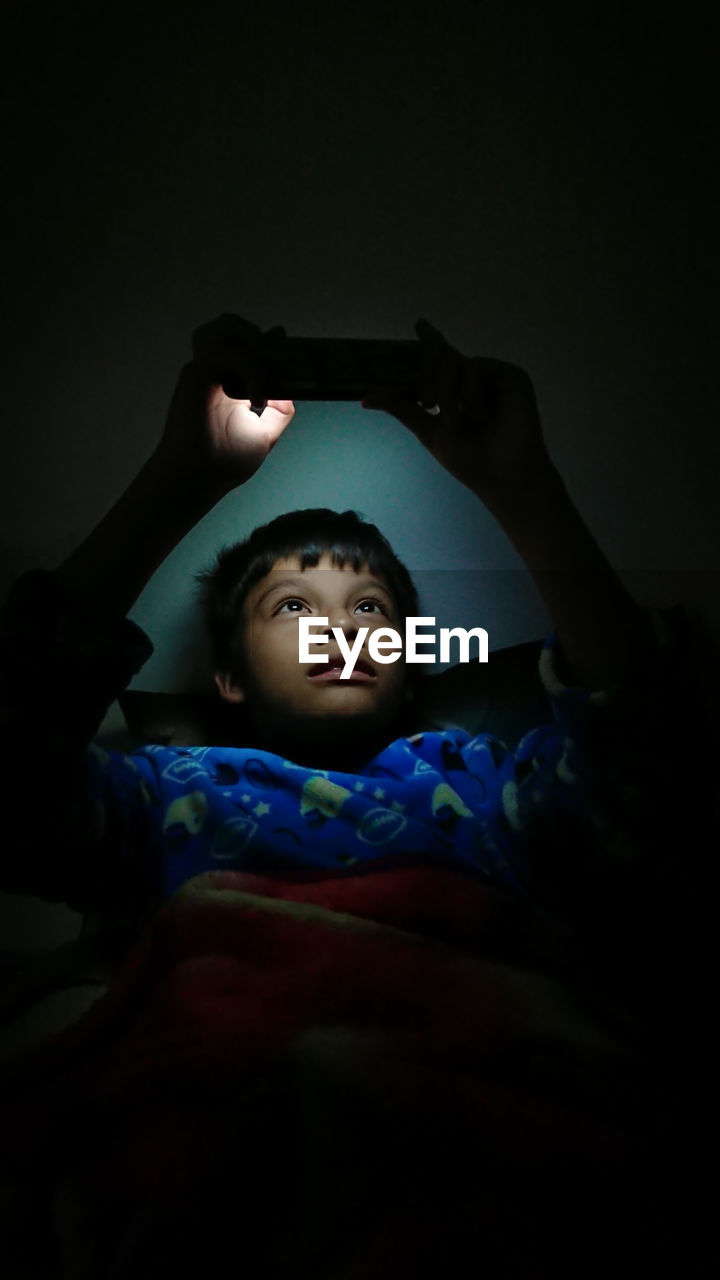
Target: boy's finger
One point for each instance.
(428, 333)
(230, 346)
(436, 351)
(449, 378)
(241, 373)
(476, 392)
(400, 407)
(224, 330)
(276, 416)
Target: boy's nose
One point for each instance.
(347, 623)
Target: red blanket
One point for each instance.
(347, 1077)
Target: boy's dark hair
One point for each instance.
(307, 534)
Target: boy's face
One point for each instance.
(294, 710)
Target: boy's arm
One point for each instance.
(67, 649)
(210, 445)
(606, 638)
(598, 804)
(113, 565)
(488, 435)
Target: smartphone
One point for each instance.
(326, 368)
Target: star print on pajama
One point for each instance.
(442, 798)
(116, 829)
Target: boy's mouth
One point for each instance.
(334, 667)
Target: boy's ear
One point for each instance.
(229, 691)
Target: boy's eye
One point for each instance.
(293, 600)
(377, 604)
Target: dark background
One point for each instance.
(536, 179)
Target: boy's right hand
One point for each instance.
(216, 441)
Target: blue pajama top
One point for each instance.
(116, 831)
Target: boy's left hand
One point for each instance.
(487, 432)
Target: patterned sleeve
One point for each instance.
(75, 830)
(596, 796)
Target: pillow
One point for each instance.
(503, 697)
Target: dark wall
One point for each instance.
(534, 178)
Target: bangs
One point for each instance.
(343, 552)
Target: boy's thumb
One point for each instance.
(381, 399)
(404, 409)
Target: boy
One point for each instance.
(375, 1068)
(122, 833)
